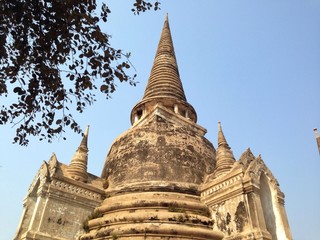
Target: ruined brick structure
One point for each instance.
(162, 179)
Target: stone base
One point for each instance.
(153, 215)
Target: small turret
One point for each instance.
(78, 166)
(224, 155)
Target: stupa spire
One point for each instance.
(164, 84)
(221, 138)
(224, 155)
(78, 165)
(164, 80)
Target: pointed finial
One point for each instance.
(224, 155)
(221, 138)
(84, 142)
(78, 166)
(316, 132)
(317, 138)
(87, 131)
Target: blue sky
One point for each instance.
(253, 65)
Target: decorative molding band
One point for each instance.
(76, 190)
(221, 186)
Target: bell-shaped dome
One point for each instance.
(164, 147)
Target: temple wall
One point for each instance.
(231, 216)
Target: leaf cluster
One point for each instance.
(53, 58)
(142, 6)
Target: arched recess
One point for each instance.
(268, 206)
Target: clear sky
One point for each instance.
(253, 65)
